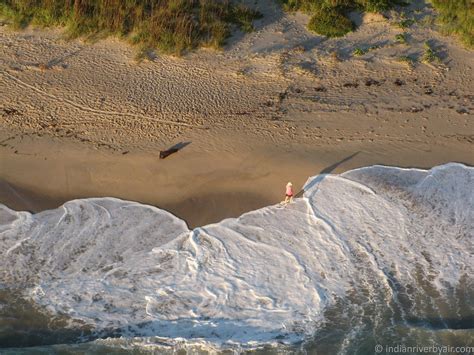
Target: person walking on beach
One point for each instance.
(289, 193)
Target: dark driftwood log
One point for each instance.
(177, 147)
(168, 152)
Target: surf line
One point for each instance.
(95, 111)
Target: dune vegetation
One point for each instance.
(457, 17)
(329, 17)
(175, 26)
(171, 26)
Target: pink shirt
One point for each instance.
(289, 191)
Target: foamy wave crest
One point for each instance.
(266, 277)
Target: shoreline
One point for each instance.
(200, 187)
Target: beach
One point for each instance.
(81, 119)
(197, 185)
(140, 191)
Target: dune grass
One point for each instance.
(457, 17)
(172, 26)
(401, 38)
(407, 60)
(405, 23)
(329, 17)
(359, 51)
(175, 26)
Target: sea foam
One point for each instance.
(266, 277)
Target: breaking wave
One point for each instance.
(374, 252)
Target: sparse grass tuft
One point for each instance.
(401, 38)
(335, 56)
(430, 54)
(377, 5)
(407, 60)
(427, 21)
(243, 17)
(405, 23)
(172, 26)
(359, 51)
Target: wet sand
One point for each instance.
(199, 186)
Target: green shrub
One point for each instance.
(330, 23)
(329, 17)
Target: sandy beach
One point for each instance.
(280, 104)
(140, 192)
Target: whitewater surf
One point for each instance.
(373, 256)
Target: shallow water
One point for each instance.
(374, 256)
(353, 326)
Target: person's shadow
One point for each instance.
(323, 173)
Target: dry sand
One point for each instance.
(81, 120)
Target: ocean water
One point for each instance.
(366, 261)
